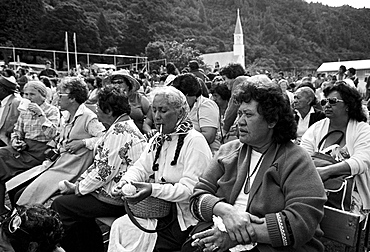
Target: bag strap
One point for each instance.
(327, 135)
(133, 219)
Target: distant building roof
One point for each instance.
(238, 26)
(223, 58)
(334, 66)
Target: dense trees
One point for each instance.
(284, 34)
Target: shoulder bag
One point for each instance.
(338, 189)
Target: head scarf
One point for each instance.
(39, 86)
(175, 98)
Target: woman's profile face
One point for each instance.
(338, 110)
(164, 114)
(253, 128)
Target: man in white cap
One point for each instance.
(35, 127)
(9, 113)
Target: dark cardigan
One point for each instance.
(287, 186)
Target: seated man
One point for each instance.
(8, 109)
(34, 128)
(31, 228)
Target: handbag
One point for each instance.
(201, 226)
(152, 208)
(338, 189)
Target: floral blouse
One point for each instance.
(115, 152)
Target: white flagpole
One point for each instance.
(66, 47)
(75, 43)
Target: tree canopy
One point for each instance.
(284, 34)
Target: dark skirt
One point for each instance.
(13, 162)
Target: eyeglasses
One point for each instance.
(61, 95)
(118, 81)
(16, 221)
(332, 101)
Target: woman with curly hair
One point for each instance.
(31, 228)
(348, 141)
(254, 194)
(90, 197)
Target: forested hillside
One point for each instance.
(281, 34)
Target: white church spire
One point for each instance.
(238, 47)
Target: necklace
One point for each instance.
(247, 187)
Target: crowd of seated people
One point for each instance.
(229, 150)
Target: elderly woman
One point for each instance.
(253, 187)
(35, 127)
(90, 196)
(204, 113)
(175, 157)
(305, 114)
(138, 102)
(342, 107)
(31, 228)
(79, 130)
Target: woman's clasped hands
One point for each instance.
(239, 230)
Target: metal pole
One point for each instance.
(88, 60)
(54, 60)
(67, 52)
(14, 59)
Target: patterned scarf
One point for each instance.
(182, 127)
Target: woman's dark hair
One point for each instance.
(232, 70)
(90, 80)
(8, 72)
(77, 88)
(22, 71)
(38, 224)
(46, 81)
(272, 105)
(112, 99)
(171, 68)
(188, 84)
(351, 98)
(222, 90)
(98, 82)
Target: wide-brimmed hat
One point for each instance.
(9, 82)
(126, 75)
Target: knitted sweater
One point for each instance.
(287, 191)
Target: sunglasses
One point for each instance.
(61, 95)
(332, 101)
(16, 221)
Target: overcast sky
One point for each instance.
(353, 3)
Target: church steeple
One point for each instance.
(239, 41)
(238, 26)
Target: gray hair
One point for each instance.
(174, 98)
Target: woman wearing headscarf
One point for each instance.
(79, 130)
(35, 127)
(174, 158)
